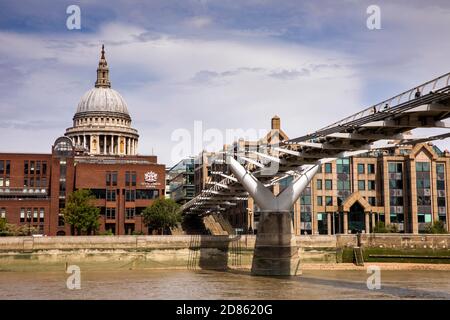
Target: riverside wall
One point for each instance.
(182, 251)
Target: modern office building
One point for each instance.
(99, 152)
(181, 181)
(405, 188)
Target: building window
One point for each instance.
(422, 166)
(395, 167)
(5, 166)
(130, 213)
(361, 168)
(328, 184)
(424, 215)
(145, 194)
(127, 179)
(35, 215)
(29, 215)
(4, 182)
(371, 185)
(343, 185)
(99, 193)
(371, 168)
(328, 201)
(319, 184)
(25, 167)
(41, 214)
(440, 184)
(22, 214)
(343, 165)
(423, 183)
(319, 200)
(130, 195)
(44, 167)
(61, 220)
(130, 179)
(110, 195)
(328, 168)
(111, 178)
(372, 201)
(361, 185)
(395, 176)
(3, 213)
(305, 199)
(133, 179)
(423, 193)
(110, 213)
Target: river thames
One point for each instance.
(183, 284)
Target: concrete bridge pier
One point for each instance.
(276, 250)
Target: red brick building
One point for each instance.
(99, 152)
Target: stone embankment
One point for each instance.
(207, 252)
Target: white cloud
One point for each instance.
(199, 22)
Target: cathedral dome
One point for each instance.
(102, 124)
(104, 100)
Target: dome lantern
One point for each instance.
(103, 72)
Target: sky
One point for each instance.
(218, 65)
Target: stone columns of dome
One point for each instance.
(123, 149)
(111, 146)
(132, 147)
(104, 145)
(84, 141)
(128, 146)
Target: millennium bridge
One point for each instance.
(252, 172)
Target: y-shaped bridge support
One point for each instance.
(276, 250)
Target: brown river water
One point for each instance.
(184, 284)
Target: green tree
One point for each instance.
(8, 229)
(162, 214)
(3, 224)
(379, 227)
(437, 227)
(80, 213)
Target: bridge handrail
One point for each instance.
(377, 107)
